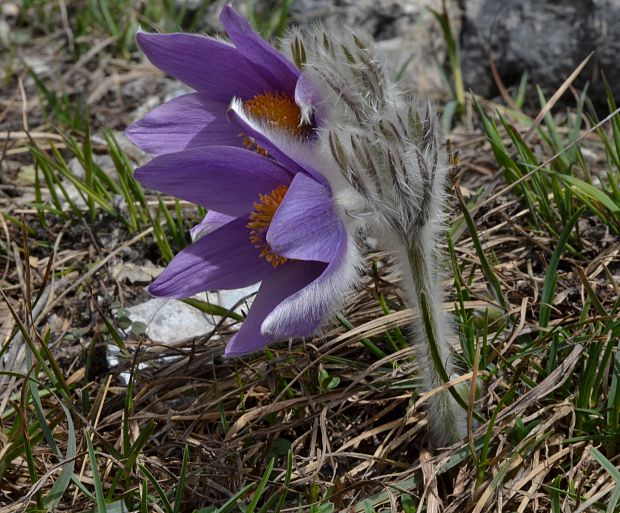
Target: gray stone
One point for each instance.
(407, 35)
(170, 321)
(546, 38)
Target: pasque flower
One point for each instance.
(238, 148)
(248, 69)
(274, 224)
(296, 164)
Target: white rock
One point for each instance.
(170, 320)
(136, 273)
(228, 298)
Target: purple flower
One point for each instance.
(250, 70)
(239, 147)
(269, 223)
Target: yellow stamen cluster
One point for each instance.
(260, 219)
(279, 111)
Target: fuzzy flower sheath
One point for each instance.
(385, 160)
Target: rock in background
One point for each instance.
(546, 38)
(406, 33)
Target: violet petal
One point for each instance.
(305, 226)
(226, 179)
(286, 280)
(212, 221)
(189, 121)
(271, 64)
(303, 311)
(204, 64)
(223, 259)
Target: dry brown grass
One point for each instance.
(363, 440)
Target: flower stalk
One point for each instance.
(431, 335)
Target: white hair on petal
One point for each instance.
(319, 297)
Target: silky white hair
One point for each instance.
(383, 154)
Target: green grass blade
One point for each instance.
(555, 495)
(615, 474)
(158, 489)
(613, 399)
(99, 495)
(369, 344)
(585, 189)
(212, 309)
(493, 283)
(144, 496)
(40, 414)
(28, 443)
(260, 488)
(551, 278)
(53, 497)
(287, 482)
(87, 152)
(521, 91)
(181, 484)
(232, 503)
(454, 54)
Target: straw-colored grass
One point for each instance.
(332, 423)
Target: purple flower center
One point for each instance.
(260, 220)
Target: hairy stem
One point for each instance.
(431, 340)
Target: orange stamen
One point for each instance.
(251, 145)
(279, 111)
(260, 219)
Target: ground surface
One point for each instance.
(332, 423)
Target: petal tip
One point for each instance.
(166, 286)
(227, 10)
(229, 353)
(141, 176)
(235, 349)
(158, 288)
(130, 131)
(228, 16)
(143, 37)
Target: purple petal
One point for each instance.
(271, 64)
(205, 64)
(212, 221)
(286, 280)
(308, 96)
(288, 151)
(228, 180)
(223, 259)
(305, 226)
(189, 121)
(302, 312)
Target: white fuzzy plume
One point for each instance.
(387, 166)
